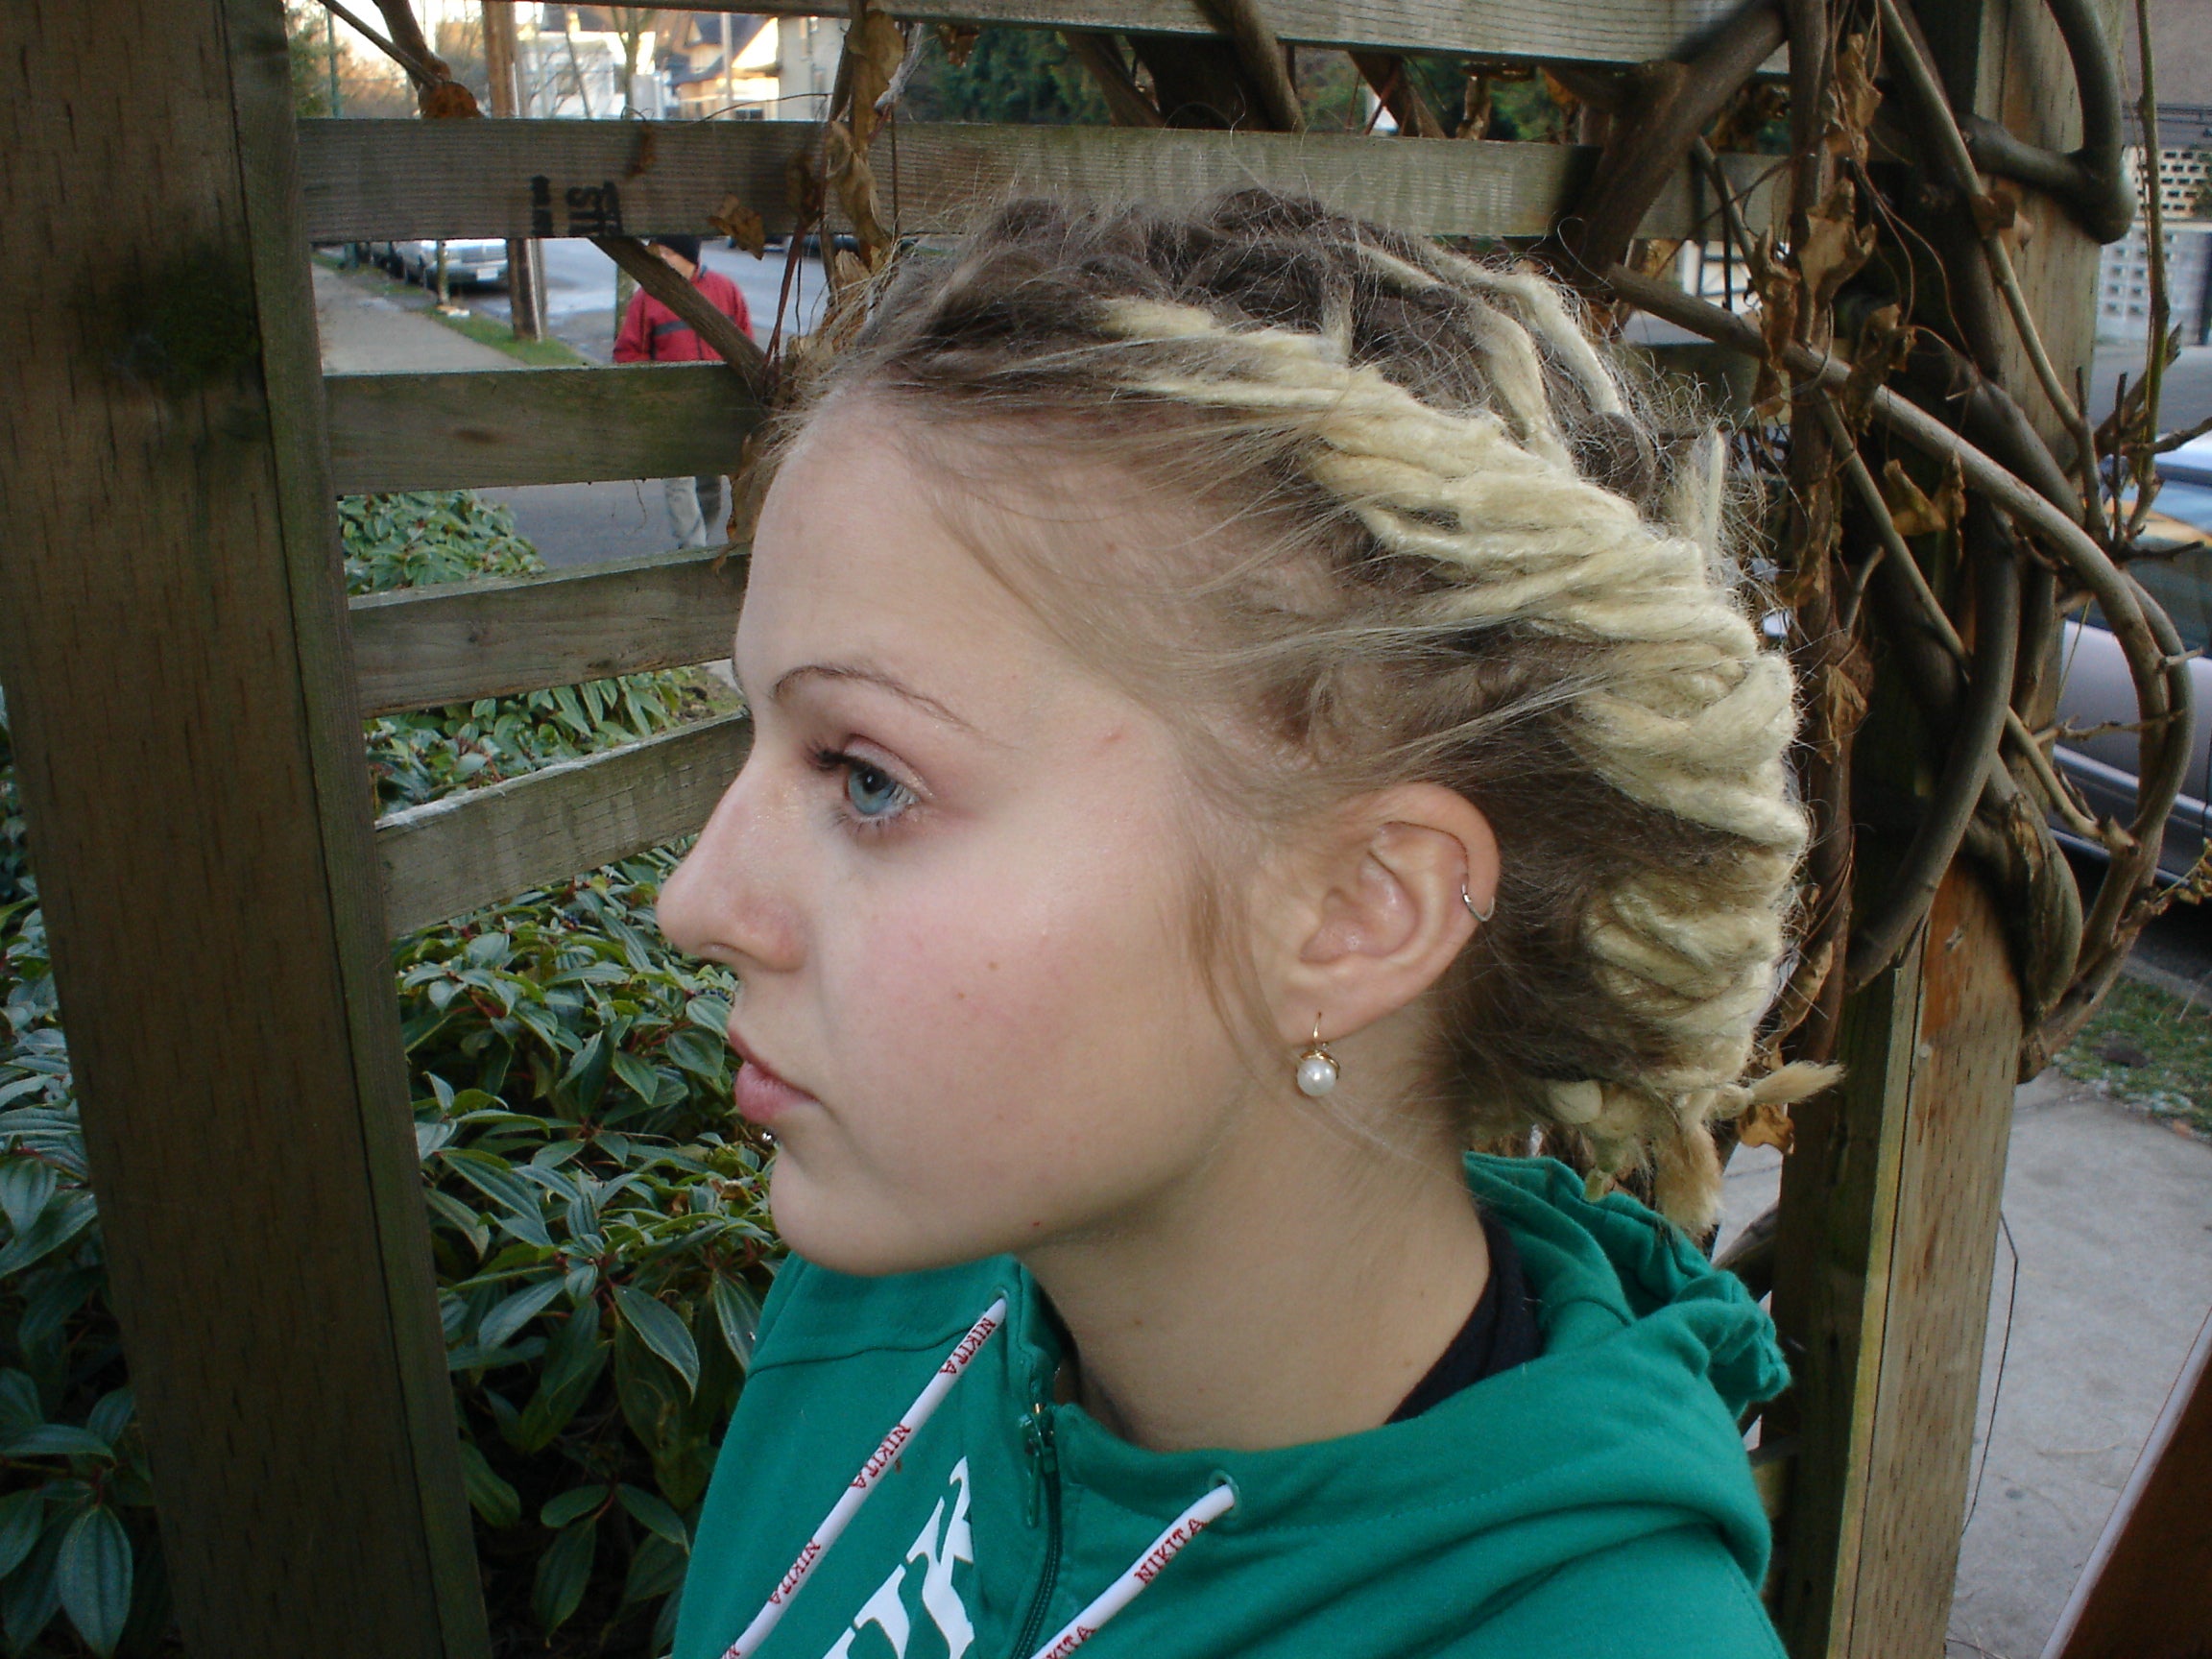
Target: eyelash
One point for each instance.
(829, 760)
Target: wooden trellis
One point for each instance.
(172, 609)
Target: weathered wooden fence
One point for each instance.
(171, 593)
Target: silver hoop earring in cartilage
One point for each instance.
(1467, 899)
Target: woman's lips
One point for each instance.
(761, 1096)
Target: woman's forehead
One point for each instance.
(858, 575)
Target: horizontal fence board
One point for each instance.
(1598, 30)
(470, 429)
(373, 179)
(460, 640)
(484, 845)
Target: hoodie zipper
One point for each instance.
(1037, 1427)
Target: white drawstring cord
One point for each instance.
(1142, 1571)
(863, 1484)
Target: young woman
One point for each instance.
(1244, 710)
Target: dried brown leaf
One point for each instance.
(1997, 210)
(1779, 290)
(958, 40)
(803, 189)
(854, 182)
(744, 228)
(448, 100)
(1854, 100)
(1843, 706)
(747, 489)
(642, 158)
(1883, 348)
(876, 48)
(1913, 511)
(1754, 107)
(1767, 1124)
(1834, 246)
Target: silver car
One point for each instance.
(473, 261)
(2097, 697)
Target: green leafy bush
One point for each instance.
(416, 539)
(597, 1222)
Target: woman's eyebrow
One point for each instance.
(870, 677)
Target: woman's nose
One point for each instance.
(726, 902)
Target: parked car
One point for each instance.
(2097, 696)
(467, 263)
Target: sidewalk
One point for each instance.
(2110, 1217)
(364, 334)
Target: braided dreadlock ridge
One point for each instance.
(1443, 547)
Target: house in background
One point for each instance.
(691, 65)
(570, 61)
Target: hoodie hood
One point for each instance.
(1003, 1525)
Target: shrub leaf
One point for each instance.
(93, 1576)
(660, 1331)
(563, 1571)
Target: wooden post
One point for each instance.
(525, 265)
(1890, 1201)
(173, 637)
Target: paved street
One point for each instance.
(2184, 397)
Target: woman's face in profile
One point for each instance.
(953, 879)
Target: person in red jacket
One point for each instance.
(652, 333)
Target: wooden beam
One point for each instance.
(1834, 1249)
(188, 747)
(460, 640)
(471, 429)
(1887, 1355)
(1956, 1127)
(402, 179)
(485, 845)
(1599, 31)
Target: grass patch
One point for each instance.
(548, 354)
(2151, 1049)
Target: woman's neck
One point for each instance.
(1294, 1288)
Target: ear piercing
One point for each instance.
(1318, 1070)
(1479, 915)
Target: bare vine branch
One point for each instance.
(1928, 95)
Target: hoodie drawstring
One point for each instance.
(1194, 1520)
(865, 1482)
(1142, 1571)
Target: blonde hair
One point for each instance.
(1444, 546)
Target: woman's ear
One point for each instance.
(1393, 896)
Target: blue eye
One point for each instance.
(874, 792)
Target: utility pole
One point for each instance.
(330, 61)
(525, 260)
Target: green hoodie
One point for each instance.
(1595, 1501)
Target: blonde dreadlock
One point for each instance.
(1479, 567)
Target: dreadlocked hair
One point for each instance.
(1433, 541)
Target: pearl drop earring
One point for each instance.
(1318, 1070)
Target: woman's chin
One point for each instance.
(859, 1232)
